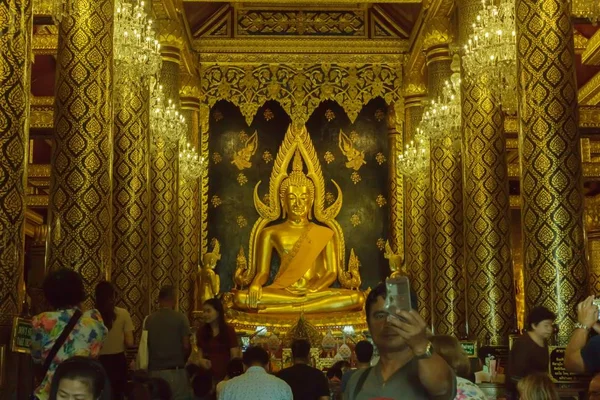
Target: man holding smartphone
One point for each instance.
(407, 368)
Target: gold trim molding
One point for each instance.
(308, 2)
(589, 94)
(591, 54)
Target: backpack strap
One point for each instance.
(361, 382)
(60, 341)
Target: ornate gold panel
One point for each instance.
(300, 89)
(591, 54)
(551, 184)
(589, 94)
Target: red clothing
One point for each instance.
(217, 349)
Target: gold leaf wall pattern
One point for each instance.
(300, 88)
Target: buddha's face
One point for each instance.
(298, 201)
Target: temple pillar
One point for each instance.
(189, 201)
(449, 304)
(15, 64)
(164, 187)
(418, 207)
(203, 185)
(551, 167)
(490, 289)
(395, 179)
(131, 201)
(80, 186)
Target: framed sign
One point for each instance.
(21, 335)
(556, 367)
(470, 347)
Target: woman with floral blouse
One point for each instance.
(64, 291)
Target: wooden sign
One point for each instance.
(470, 347)
(21, 335)
(556, 367)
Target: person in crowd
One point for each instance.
(149, 389)
(234, 368)
(307, 383)
(529, 353)
(407, 368)
(334, 375)
(169, 345)
(217, 341)
(202, 382)
(581, 355)
(449, 348)
(80, 378)
(537, 386)
(85, 331)
(120, 336)
(364, 354)
(256, 382)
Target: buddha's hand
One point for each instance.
(412, 328)
(254, 295)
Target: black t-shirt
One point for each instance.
(307, 383)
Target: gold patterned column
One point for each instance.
(15, 64)
(418, 205)
(395, 117)
(164, 186)
(490, 289)
(449, 306)
(203, 189)
(551, 170)
(80, 186)
(131, 201)
(592, 222)
(189, 204)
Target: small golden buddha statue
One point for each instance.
(396, 261)
(309, 254)
(208, 283)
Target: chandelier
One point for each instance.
(589, 9)
(442, 117)
(166, 122)
(491, 51)
(414, 162)
(190, 164)
(136, 49)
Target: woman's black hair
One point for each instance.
(207, 332)
(63, 288)
(105, 303)
(86, 370)
(336, 369)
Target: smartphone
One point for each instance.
(398, 295)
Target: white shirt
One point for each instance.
(256, 383)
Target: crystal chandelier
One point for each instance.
(136, 49)
(166, 122)
(442, 117)
(414, 162)
(491, 51)
(589, 9)
(191, 164)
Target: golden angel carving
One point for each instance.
(356, 158)
(241, 158)
(396, 260)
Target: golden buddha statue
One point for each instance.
(208, 283)
(311, 255)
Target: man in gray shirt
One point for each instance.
(169, 344)
(407, 368)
